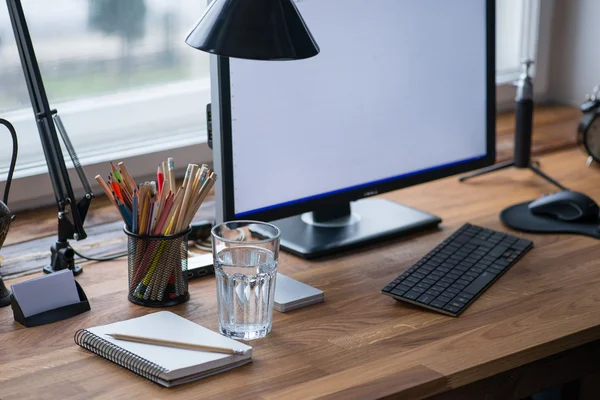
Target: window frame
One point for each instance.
(534, 44)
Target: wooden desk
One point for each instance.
(359, 343)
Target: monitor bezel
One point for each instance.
(370, 189)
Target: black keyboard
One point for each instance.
(452, 275)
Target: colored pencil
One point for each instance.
(160, 179)
(106, 189)
(115, 187)
(134, 212)
(131, 185)
(171, 166)
(116, 173)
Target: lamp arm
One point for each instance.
(13, 160)
(70, 221)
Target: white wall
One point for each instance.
(575, 54)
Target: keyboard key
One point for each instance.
(412, 295)
(426, 299)
(463, 282)
(453, 291)
(468, 278)
(498, 251)
(453, 275)
(461, 299)
(438, 288)
(437, 303)
(466, 295)
(477, 270)
(447, 280)
(418, 275)
(521, 244)
(494, 270)
(478, 284)
(429, 281)
(443, 284)
(398, 292)
(443, 298)
(482, 243)
(502, 262)
(434, 293)
(413, 279)
(471, 273)
(458, 286)
(418, 289)
(422, 285)
(452, 309)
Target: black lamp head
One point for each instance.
(253, 29)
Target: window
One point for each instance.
(522, 31)
(120, 74)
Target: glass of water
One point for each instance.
(245, 256)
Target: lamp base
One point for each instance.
(62, 257)
(4, 294)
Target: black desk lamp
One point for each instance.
(253, 29)
(71, 213)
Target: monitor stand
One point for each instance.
(352, 225)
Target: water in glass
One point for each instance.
(245, 291)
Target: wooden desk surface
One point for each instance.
(359, 343)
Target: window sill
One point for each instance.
(33, 188)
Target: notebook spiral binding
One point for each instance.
(118, 355)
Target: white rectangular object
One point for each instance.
(46, 293)
(291, 294)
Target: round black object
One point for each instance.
(520, 218)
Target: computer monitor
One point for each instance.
(403, 92)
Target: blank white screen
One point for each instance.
(399, 87)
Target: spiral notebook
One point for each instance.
(166, 366)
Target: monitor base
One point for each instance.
(369, 220)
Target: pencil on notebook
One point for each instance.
(175, 344)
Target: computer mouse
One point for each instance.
(566, 206)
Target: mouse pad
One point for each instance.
(520, 218)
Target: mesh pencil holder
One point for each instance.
(157, 269)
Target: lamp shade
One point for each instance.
(253, 29)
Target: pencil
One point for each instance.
(160, 179)
(171, 166)
(134, 213)
(125, 213)
(115, 187)
(127, 177)
(188, 183)
(176, 344)
(116, 173)
(105, 187)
